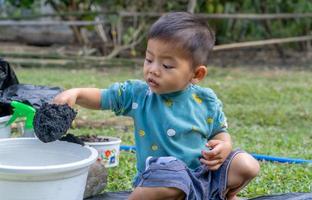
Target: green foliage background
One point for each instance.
(238, 30)
(227, 31)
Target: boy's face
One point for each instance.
(166, 68)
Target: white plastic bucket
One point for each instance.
(108, 152)
(5, 131)
(32, 170)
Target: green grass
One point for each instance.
(269, 112)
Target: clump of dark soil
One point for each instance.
(52, 121)
(72, 138)
(93, 138)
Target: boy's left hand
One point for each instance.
(215, 157)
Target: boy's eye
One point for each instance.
(168, 66)
(148, 60)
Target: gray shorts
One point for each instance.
(199, 184)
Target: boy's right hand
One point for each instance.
(214, 158)
(67, 97)
(85, 97)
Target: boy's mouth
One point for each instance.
(152, 83)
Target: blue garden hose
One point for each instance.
(256, 156)
(127, 148)
(281, 159)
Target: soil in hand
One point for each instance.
(52, 121)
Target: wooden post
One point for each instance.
(191, 6)
(119, 28)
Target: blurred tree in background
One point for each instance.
(119, 34)
(242, 30)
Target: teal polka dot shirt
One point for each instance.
(177, 124)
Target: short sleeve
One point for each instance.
(118, 98)
(219, 121)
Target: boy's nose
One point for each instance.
(154, 69)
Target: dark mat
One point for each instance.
(111, 196)
(287, 196)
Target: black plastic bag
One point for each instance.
(33, 95)
(11, 90)
(7, 78)
(7, 75)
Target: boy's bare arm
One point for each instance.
(89, 98)
(85, 97)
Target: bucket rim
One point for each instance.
(51, 168)
(5, 118)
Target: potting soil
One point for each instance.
(72, 138)
(93, 138)
(52, 121)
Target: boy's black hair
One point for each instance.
(190, 32)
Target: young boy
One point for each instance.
(183, 148)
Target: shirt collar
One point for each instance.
(177, 93)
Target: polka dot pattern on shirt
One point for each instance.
(154, 147)
(171, 132)
(177, 119)
(141, 133)
(135, 105)
(168, 102)
(197, 98)
(209, 120)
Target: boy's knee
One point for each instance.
(242, 170)
(247, 166)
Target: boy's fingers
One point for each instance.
(59, 101)
(212, 143)
(212, 154)
(62, 98)
(212, 165)
(212, 162)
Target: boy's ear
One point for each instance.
(200, 73)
